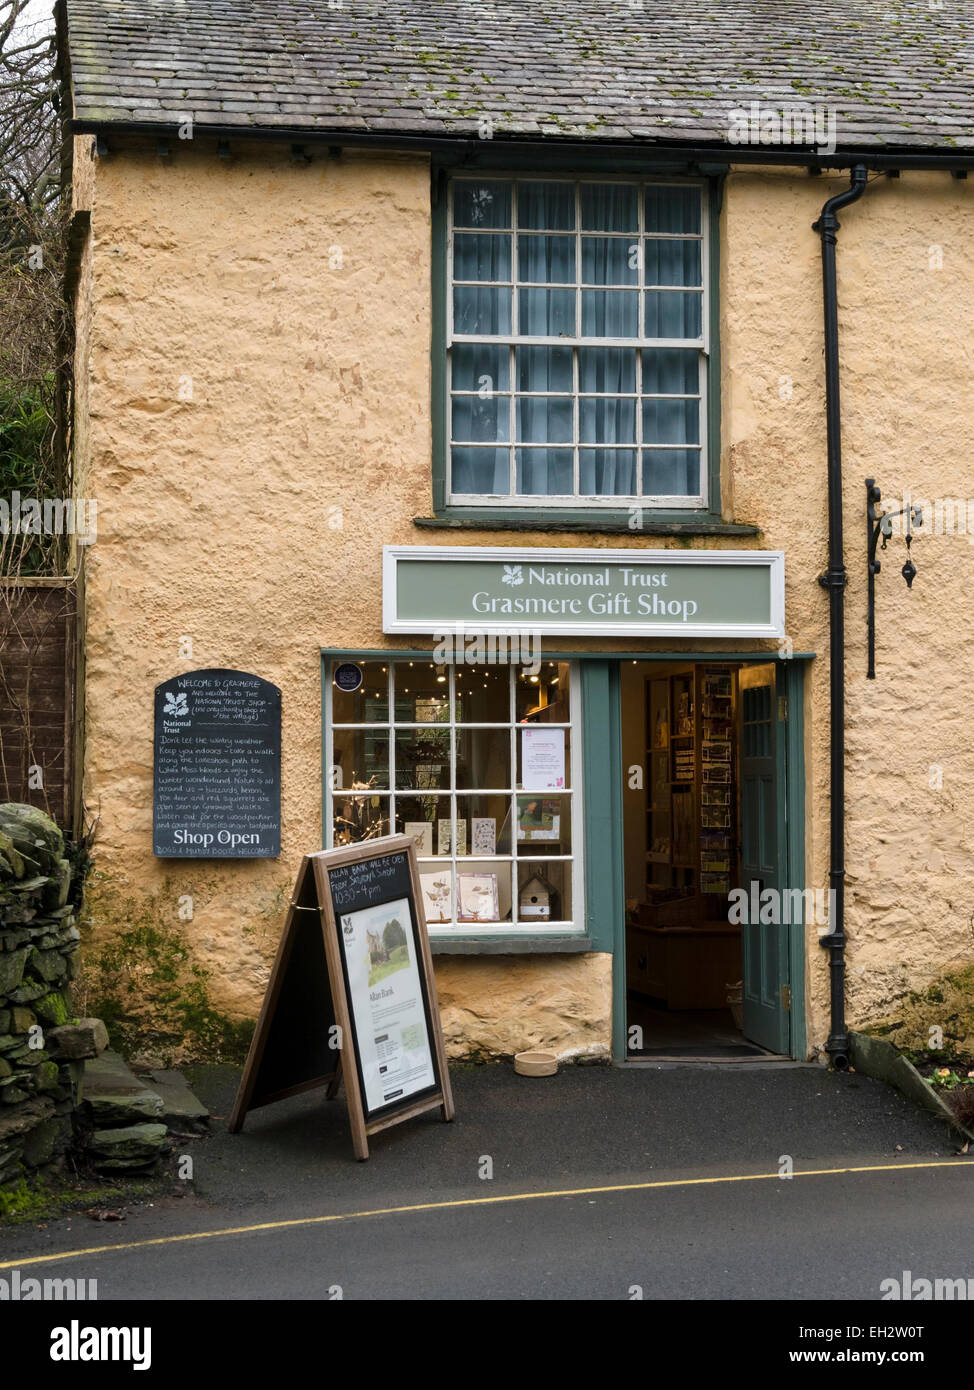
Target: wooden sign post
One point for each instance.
(352, 994)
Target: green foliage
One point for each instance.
(19, 1200)
(946, 1080)
(27, 466)
(398, 959)
(25, 429)
(393, 935)
(48, 1196)
(943, 1011)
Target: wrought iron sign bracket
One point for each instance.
(880, 524)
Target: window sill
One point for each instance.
(508, 945)
(606, 523)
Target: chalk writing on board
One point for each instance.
(368, 881)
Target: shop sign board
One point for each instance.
(217, 767)
(352, 995)
(584, 593)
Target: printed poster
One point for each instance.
(483, 831)
(542, 759)
(477, 898)
(444, 835)
(437, 895)
(538, 819)
(387, 1002)
(422, 833)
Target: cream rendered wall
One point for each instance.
(258, 378)
(907, 400)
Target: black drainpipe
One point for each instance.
(834, 579)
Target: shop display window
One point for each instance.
(477, 764)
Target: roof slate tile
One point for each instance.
(895, 73)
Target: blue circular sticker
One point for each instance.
(348, 676)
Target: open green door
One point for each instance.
(765, 943)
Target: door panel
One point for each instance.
(764, 944)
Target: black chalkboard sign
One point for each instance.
(354, 960)
(217, 770)
(364, 882)
(376, 895)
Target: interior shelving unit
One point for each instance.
(683, 950)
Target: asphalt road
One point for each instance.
(701, 1211)
(825, 1237)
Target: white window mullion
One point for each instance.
(392, 748)
(452, 798)
(512, 797)
(576, 461)
(641, 260)
(516, 326)
(576, 409)
(703, 425)
(515, 262)
(640, 490)
(508, 863)
(641, 282)
(512, 423)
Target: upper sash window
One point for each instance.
(577, 343)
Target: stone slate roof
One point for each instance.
(898, 73)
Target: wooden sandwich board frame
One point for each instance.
(329, 1052)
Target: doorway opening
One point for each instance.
(703, 801)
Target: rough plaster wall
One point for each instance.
(310, 391)
(82, 172)
(82, 198)
(493, 1005)
(906, 400)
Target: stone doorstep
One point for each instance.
(132, 1146)
(111, 1109)
(182, 1112)
(114, 1096)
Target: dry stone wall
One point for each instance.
(40, 1050)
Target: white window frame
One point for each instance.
(667, 501)
(574, 926)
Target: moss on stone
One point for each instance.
(947, 1004)
(142, 981)
(48, 1196)
(52, 1008)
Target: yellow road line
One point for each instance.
(471, 1202)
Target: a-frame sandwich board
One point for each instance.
(327, 1002)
